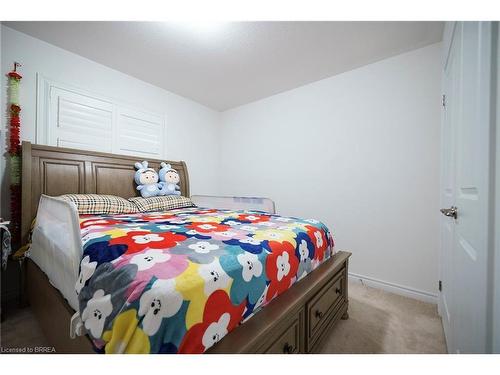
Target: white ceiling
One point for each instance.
(226, 65)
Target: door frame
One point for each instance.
(448, 33)
(495, 340)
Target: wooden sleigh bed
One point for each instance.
(298, 321)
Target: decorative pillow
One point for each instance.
(100, 204)
(161, 203)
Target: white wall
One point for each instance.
(192, 129)
(359, 151)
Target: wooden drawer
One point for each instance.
(286, 338)
(324, 305)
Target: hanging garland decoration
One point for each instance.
(15, 155)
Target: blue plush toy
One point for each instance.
(147, 180)
(169, 179)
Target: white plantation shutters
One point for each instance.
(139, 133)
(78, 121)
(69, 117)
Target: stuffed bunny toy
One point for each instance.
(147, 180)
(169, 179)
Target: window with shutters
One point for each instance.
(139, 133)
(70, 117)
(79, 121)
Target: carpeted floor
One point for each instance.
(20, 330)
(379, 322)
(382, 322)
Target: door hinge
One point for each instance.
(440, 285)
(443, 100)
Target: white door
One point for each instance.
(466, 159)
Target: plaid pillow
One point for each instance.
(161, 203)
(100, 204)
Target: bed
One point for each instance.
(295, 320)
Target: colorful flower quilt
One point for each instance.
(179, 281)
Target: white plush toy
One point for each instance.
(147, 180)
(169, 180)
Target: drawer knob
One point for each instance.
(338, 290)
(319, 314)
(288, 349)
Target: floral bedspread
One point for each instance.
(179, 281)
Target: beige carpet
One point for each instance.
(20, 329)
(379, 322)
(382, 322)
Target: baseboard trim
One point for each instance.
(394, 288)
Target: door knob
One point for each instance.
(450, 212)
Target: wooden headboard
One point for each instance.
(55, 171)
